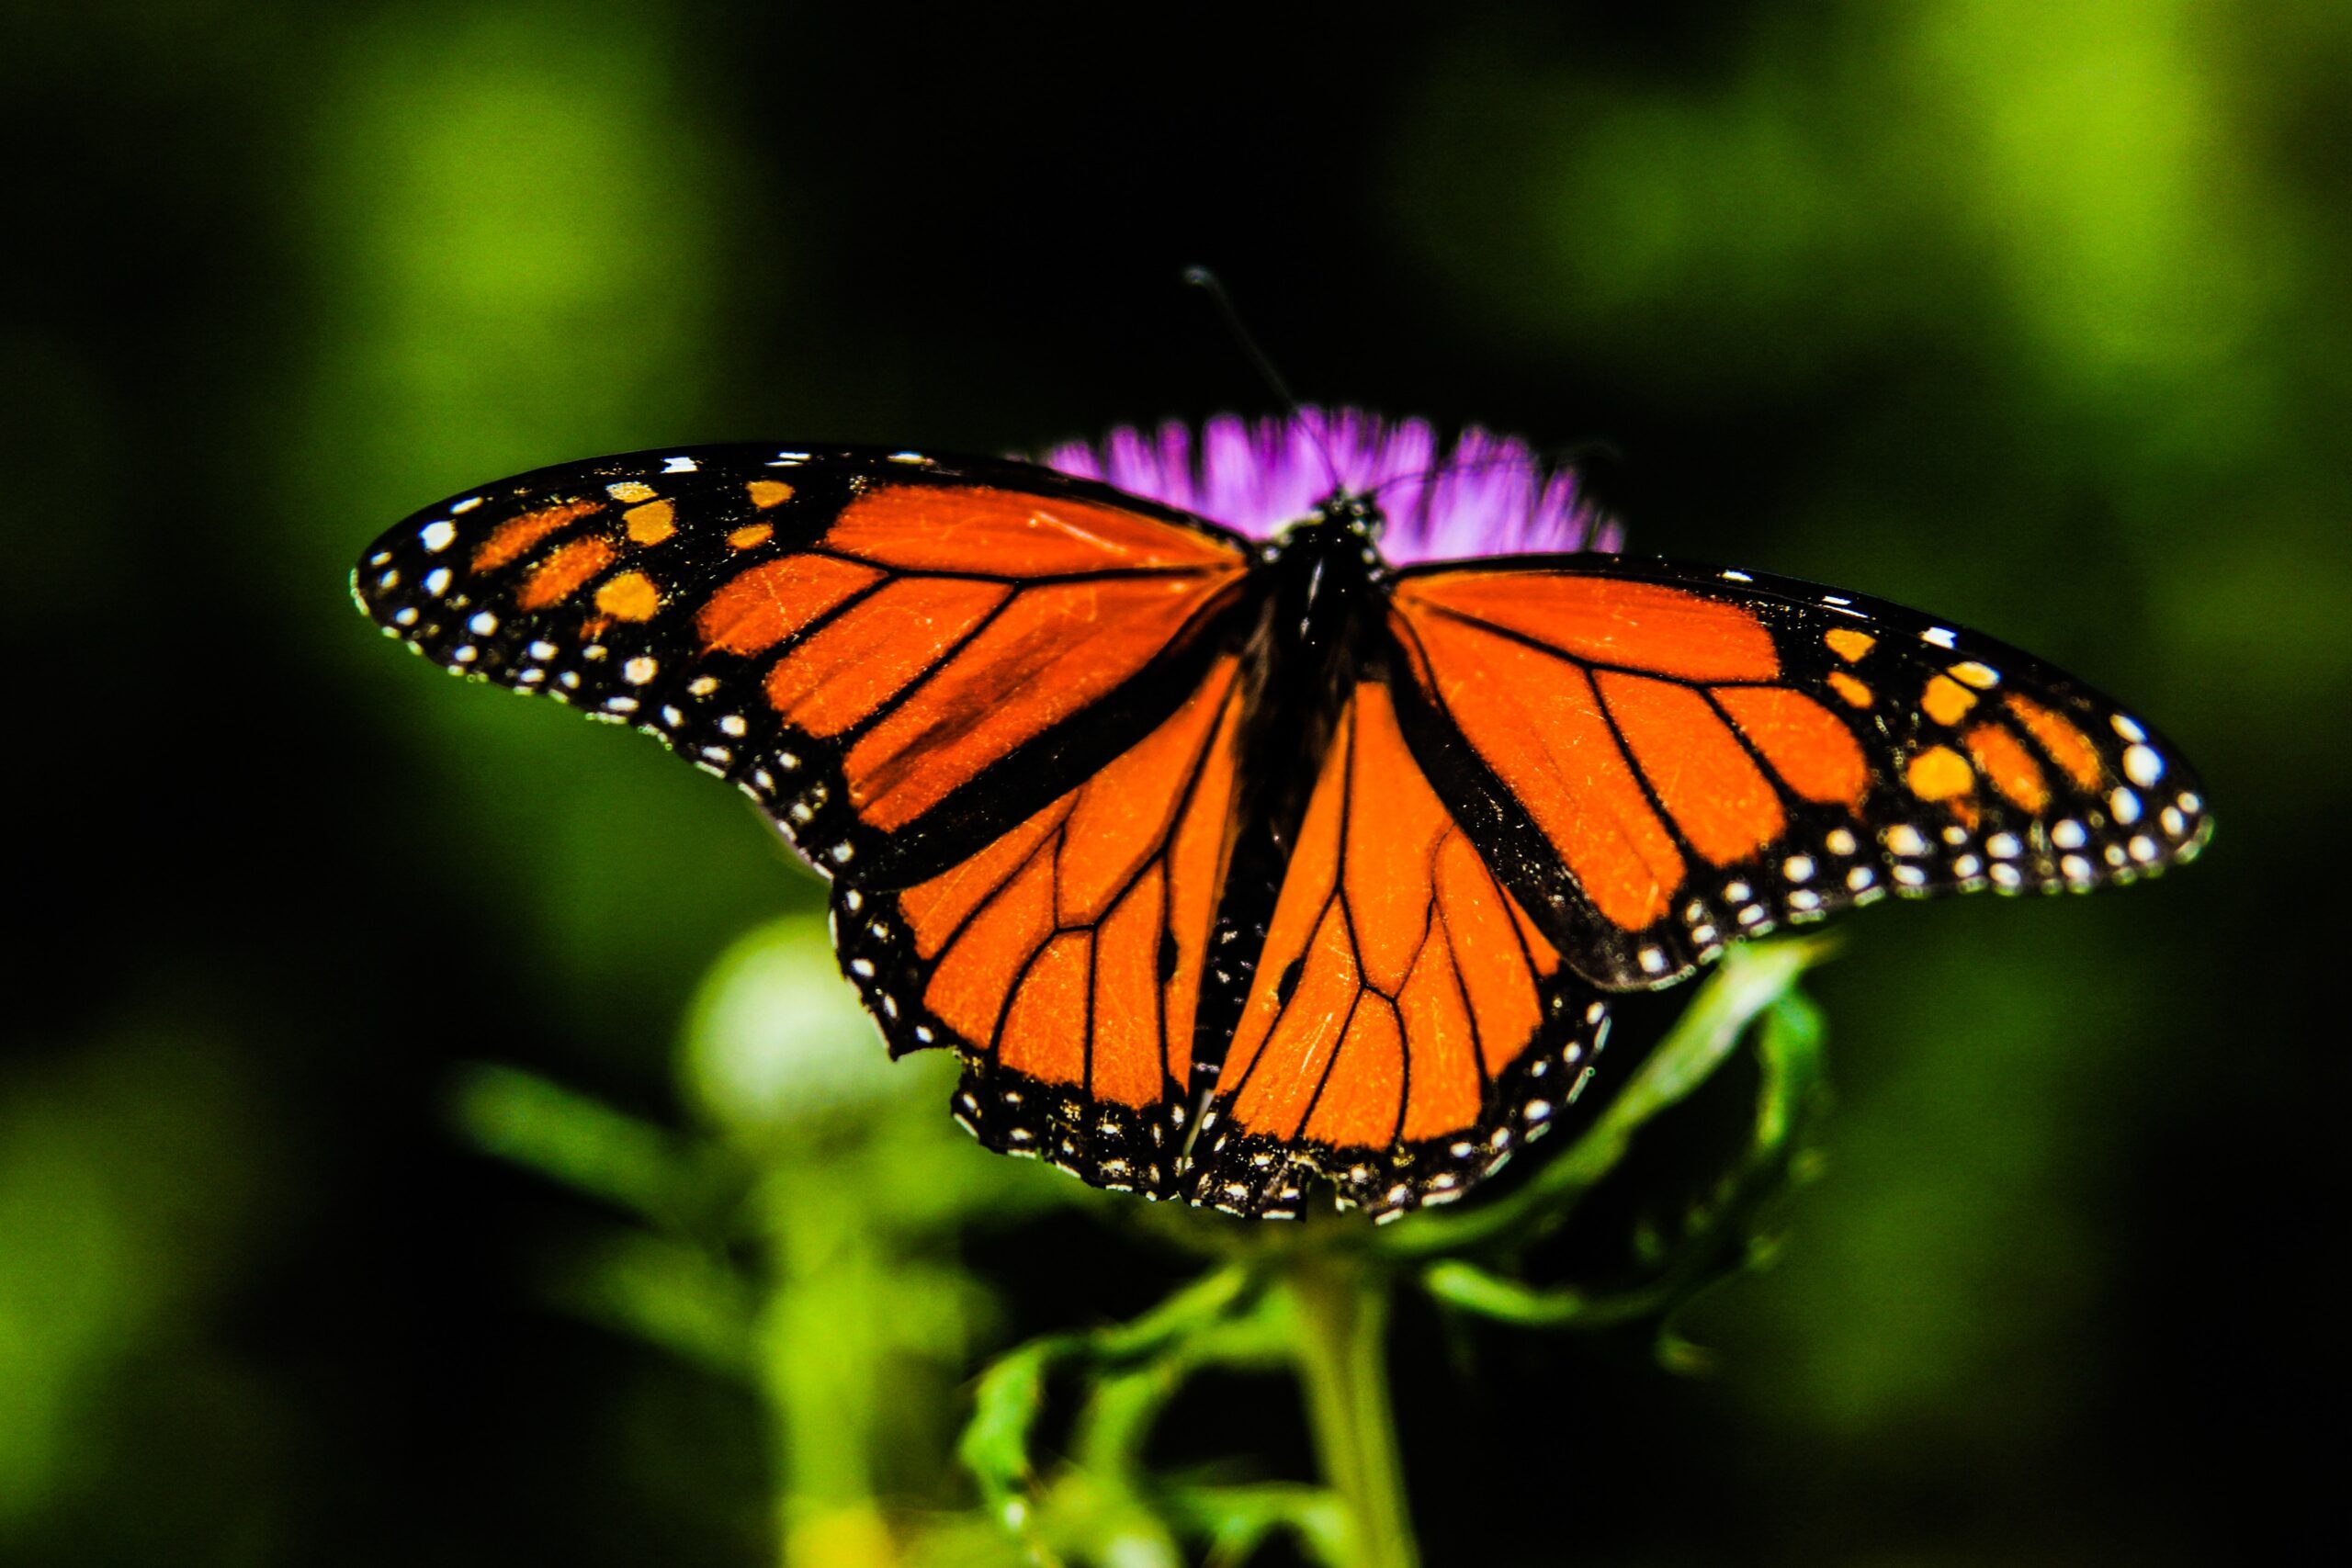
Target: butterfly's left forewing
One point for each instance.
(897, 655)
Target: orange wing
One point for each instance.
(897, 655)
(1669, 758)
(1409, 1026)
(1064, 961)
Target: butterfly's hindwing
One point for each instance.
(1407, 1028)
(1064, 962)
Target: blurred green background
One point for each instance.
(2018, 312)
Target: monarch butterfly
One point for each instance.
(1229, 864)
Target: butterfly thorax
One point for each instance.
(1319, 613)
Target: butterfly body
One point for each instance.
(1228, 868)
(1311, 631)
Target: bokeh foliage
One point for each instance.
(2028, 314)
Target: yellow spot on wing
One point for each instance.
(751, 533)
(1984, 677)
(1946, 700)
(652, 523)
(1849, 644)
(766, 494)
(1854, 692)
(1939, 774)
(630, 489)
(631, 596)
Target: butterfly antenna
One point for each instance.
(1208, 283)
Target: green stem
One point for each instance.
(1343, 1364)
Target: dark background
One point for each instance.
(2033, 316)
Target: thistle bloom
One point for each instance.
(1488, 495)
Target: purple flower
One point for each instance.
(1489, 495)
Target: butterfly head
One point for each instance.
(1344, 523)
(1352, 512)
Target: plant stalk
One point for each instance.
(1342, 1300)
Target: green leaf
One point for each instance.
(1005, 1406)
(672, 1294)
(1236, 1520)
(580, 1142)
(1490, 1295)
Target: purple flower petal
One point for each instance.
(1489, 495)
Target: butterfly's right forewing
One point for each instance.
(1665, 760)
